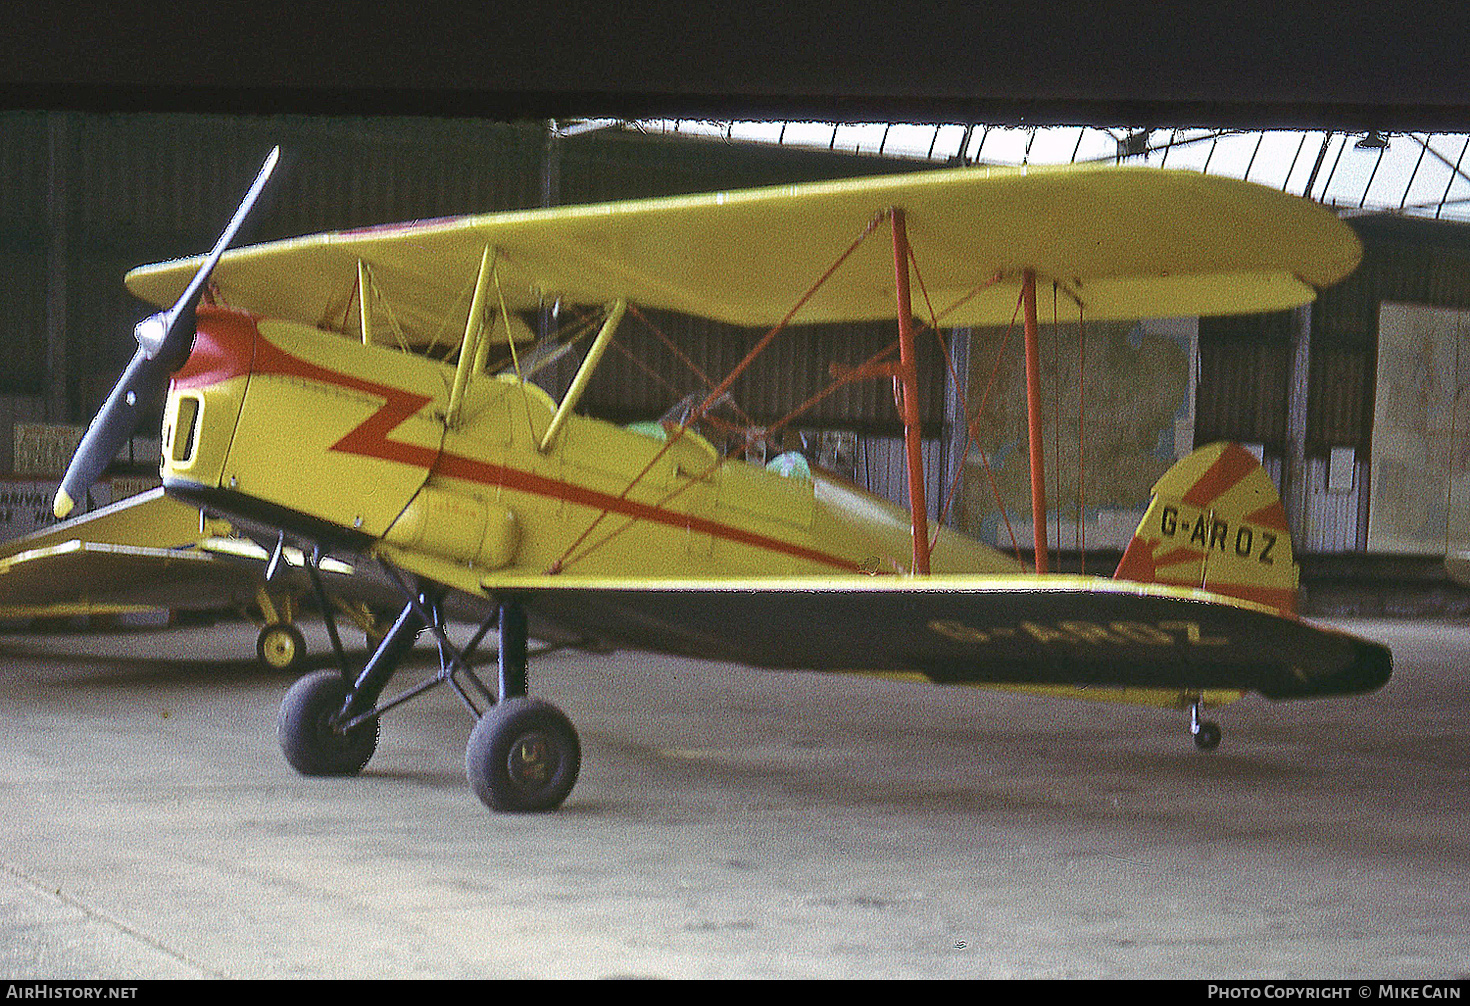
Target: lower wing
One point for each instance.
(1051, 631)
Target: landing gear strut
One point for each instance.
(1206, 732)
(523, 753)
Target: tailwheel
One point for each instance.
(281, 647)
(309, 738)
(1206, 732)
(1207, 737)
(523, 755)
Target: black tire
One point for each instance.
(310, 744)
(281, 647)
(523, 756)
(1208, 736)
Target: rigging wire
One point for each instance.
(683, 357)
(567, 557)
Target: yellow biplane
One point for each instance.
(299, 410)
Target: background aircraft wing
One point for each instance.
(149, 552)
(1049, 630)
(78, 577)
(149, 518)
(135, 555)
(1125, 242)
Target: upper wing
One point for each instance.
(1057, 630)
(1126, 242)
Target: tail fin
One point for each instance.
(1216, 522)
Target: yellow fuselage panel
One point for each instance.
(344, 433)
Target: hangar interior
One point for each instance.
(1353, 404)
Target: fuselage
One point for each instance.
(347, 444)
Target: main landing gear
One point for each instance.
(523, 753)
(281, 646)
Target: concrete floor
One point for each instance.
(729, 823)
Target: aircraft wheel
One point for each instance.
(1207, 738)
(304, 729)
(523, 755)
(281, 647)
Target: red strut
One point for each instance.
(909, 376)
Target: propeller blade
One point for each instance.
(164, 340)
(139, 387)
(191, 293)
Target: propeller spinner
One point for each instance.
(164, 340)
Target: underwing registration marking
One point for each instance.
(1170, 632)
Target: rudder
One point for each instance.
(1216, 522)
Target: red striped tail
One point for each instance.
(1216, 522)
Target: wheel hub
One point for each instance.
(533, 760)
(279, 649)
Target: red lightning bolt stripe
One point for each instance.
(230, 344)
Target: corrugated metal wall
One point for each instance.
(24, 246)
(614, 164)
(1245, 361)
(1242, 389)
(84, 197)
(1331, 521)
(882, 467)
(1406, 261)
(1340, 400)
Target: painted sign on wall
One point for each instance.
(1419, 487)
(1118, 407)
